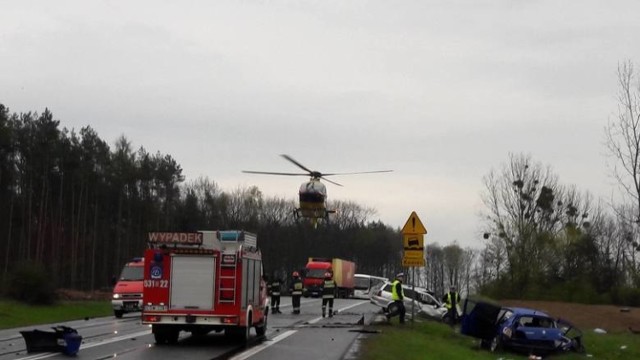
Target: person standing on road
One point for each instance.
(328, 293)
(274, 290)
(451, 302)
(296, 292)
(397, 295)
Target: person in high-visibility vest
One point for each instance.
(274, 290)
(397, 295)
(451, 302)
(328, 293)
(296, 292)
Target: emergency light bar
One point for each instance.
(232, 235)
(247, 238)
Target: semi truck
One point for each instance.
(127, 290)
(343, 272)
(204, 281)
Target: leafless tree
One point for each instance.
(524, 208)
(277, 211)
(349, 214)
(623, 137)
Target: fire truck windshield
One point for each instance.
(132, 273)
(316, 273)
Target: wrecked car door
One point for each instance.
(479, 319)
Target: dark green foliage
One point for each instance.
(626, 295)
(30, 282)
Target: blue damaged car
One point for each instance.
(519, 329)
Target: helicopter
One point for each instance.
(312, 194)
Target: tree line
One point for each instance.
(547, 240)
(80, 209)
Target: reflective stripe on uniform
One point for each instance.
(328, 289)
(448, 303)
(297, 288)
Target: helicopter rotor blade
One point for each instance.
(360, 172)
(273, 173)
(295, 162)
(333, 182)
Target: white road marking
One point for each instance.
(313, 321)
(90, 345)
(242, 356)
(257, 349)
(247, 354)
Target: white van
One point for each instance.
(364, 283)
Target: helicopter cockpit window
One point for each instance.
(311, 197)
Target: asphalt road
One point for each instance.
(289, 336)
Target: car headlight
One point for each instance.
(116, 296)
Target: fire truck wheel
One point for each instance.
(164, 335)
(160, 338)
(261, 328)
(240, 333)
(118, 313)
(172, 336)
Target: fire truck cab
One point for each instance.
(127, 291)
(204, 281)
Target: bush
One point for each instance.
(29, 282)
(577, 291)
(626, 296)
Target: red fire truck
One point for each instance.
(204, 281)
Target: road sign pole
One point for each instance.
(413, 287)
(413, 243)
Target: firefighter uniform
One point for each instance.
(296, 293)
(328, 294)
(274, 289)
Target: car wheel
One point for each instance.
(118, 313)
(392, 308)
(496, 344)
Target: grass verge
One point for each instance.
(16, 314)
(436, 341)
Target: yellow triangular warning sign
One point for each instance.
(414, 225)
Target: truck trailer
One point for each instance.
(204, 281)
(343, 272)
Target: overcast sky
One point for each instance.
(439, 91)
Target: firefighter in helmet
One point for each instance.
(274, 290)
(296, 292)
(328, 293)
